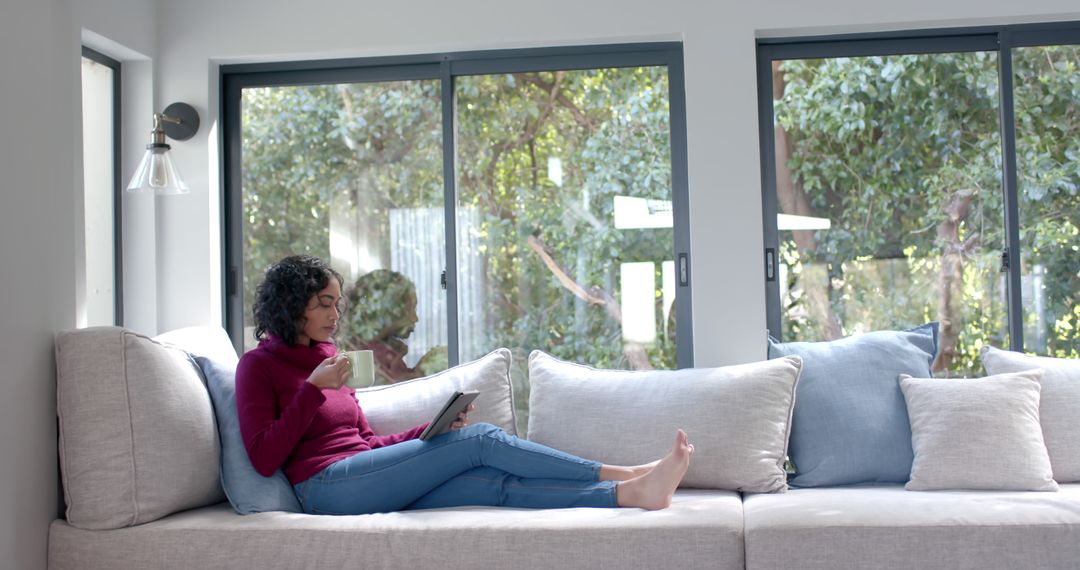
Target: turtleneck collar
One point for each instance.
(303, 356)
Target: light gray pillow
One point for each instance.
(208, 341)
(137, 434)
(1059, 404)
(737, 417)
(395, 408)
(981, 433)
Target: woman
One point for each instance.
(297, 414)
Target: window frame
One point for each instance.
(445, 67)
(118, 183)
(1000, 39)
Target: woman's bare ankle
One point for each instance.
(616, 473)
(640, 470)
(625, 473)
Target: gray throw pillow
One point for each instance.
(247, 490)
(1059, 404)
(737, 417)
(980, 434)
(395, 408)
(137, 435)
(850, 424)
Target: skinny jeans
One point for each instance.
(476, 465)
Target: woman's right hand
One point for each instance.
(331, 373)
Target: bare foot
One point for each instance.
(654, 489)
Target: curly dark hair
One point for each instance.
(283, 295)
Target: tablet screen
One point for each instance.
(456, 404)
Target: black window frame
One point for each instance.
(445, 67)
(1000, 39)
(118, 184)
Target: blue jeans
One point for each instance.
(477, 465)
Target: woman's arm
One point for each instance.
(268, 438)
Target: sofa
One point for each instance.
(141, 467)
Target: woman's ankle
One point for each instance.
(617, 473)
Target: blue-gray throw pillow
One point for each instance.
(850, 423)
(248, 492)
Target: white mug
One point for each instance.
(363, 368)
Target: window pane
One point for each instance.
(1046, 84)
(98, 187)
(353, 173)
(565, 237)
(888, 186)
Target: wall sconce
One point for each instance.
(157, 172)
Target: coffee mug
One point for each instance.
(363, 368)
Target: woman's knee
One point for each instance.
(482, 428)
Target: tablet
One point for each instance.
(457, 403)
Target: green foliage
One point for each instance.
(1048, 165)
(609, 128)
(366, 147)
(902, 154)
(382, 307)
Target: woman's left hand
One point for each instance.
(463, 418)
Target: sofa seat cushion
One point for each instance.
(888, 527)
(702, 529)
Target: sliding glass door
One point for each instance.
(1047, 101)
(529, 200)
(889, 198)
(920, 176)
(352, 172)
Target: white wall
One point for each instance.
(36, 250)
(40, 222)
(718, 40)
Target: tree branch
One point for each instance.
(593, 295)
(527, 135)
(579, 116)
(634, 352)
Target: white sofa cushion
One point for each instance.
(137, 434)
(701, 529)
(737, 417)
(980, 433)
(208, 341)
(1059, 404)
(394, 408)
(888, 527)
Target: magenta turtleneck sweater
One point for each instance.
(287, 422)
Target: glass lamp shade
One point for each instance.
(158, 173)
